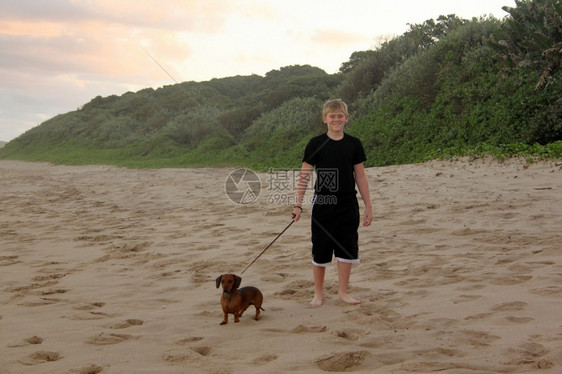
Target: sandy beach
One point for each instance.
(112, 270)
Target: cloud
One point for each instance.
(101, 37)
(56, 55)
(201, 15)
(338, 37)
(61, 58)
(55, 10)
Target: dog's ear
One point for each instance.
(219, 280)
(237, 281)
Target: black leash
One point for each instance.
(266, 248)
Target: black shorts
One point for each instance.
(334, 230)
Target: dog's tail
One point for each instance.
(262, 308)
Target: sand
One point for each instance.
(111, 270)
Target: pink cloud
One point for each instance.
(203, 16)
(87, 48)
(102, 37)
(337, 37)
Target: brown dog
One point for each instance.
(236, 301)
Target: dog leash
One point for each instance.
(266, 248)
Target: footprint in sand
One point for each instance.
(106, 339)
(527, 353)
(476, 338)
(349, 334)
(262, 360)
(308, 329)
(40, 357)
(88, 312)
(125, 324)
(27, 341)
(8, 260)
(388, 342)
(181, 357)
(548, 291)
(89, 306)
(465, 298)
(90, 369)
(192, 357)
(429, 367)
(189, 340)
(511, 280)
(300, 329)
(275, 277)
(344, 362)
(510, 307)
(202, 350)
(478, 316)
(49, 277)
(379, 316)
(519, 319)
(296, 290)
(42, 301)
(51, 292)
(87, 316)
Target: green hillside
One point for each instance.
(446, 87)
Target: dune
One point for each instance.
(111, 270)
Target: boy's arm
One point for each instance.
(302, 184)
(363, 186)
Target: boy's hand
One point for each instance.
(296, 215)
(367, 217)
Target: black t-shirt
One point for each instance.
(334, 161)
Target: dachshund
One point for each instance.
(236, 301)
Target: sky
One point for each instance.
(57, 55)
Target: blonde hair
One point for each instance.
(335, 105)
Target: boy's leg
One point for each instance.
(344, 272)
(318, 273)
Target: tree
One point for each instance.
(365, 70)
(355, 60)
(532, 37)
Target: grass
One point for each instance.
(69, 154)
(530, 153)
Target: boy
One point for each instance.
(338, 159)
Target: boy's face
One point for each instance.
(335, 120)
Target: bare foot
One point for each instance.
(348, 299)
(316, 301)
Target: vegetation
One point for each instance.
(446, 87)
